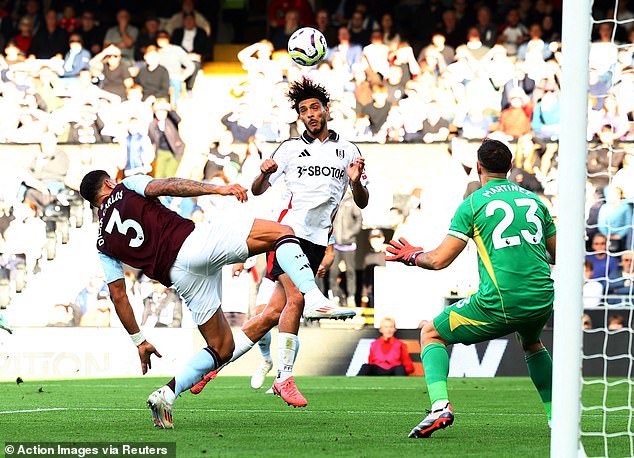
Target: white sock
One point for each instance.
(243, 344)
(265, 346)
(439, 405)
(200, 364)
(287, 350)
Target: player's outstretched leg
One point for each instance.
(271, 236)
(217, 334)
(436, 363)
(258, 377)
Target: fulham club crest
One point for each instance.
(339, 153)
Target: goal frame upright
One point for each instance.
(568, 334)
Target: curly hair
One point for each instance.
(304, 89)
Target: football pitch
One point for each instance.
(346, 416)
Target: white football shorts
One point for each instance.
(197, 271)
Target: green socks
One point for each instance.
(540, 368)
(436, 364)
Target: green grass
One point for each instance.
(346, 416)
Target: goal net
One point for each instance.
(604, 415)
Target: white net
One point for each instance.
(608, 350)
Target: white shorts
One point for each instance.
(265, 291)
(197, 271)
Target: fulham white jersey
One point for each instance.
(316, 179)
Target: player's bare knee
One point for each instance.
(270, 317)
(285, 230)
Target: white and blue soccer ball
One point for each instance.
(307, 46)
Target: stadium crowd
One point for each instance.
(428, 71)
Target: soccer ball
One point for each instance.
(307, 46)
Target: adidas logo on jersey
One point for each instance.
(304, 154)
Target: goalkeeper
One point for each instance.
(515, 237)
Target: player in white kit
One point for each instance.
(317, 167)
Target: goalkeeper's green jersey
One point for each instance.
(509, 226)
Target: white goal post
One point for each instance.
(567, 339)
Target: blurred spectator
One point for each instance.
(375, 257)
(376, 57)
(535, 44)
(388, 355)
(586, 321)
(87, 127)
(91, 33)
(256, 60)
(378, 110)
(177, 20)
(195, 41)
(76, 59)
(388, 30)
(439, 50)
(546, 123)
(516, 119)
(604, 160)
(513, 33)
(359, 33)
(137, 150)
(69, 22)
(615, 219)
(13, 54)
(604, 266)
(474, 45)
(615, 323)
(163, 308)
(153, 77)
(485, 26)
(26, 235)
(322, 23)
(550, 31)
(49, 40)
(349, 53)
(609, 115)
(98, 314)
(624, 284)
(452, 29)
(123, 36)
(25, 34)
(435, 128)
(177, 63)
(346, 227)
(278, 9)
(87, 298)
(167, 142)
(592, 289)
(280, 35)
(116, 76)
(624, 177)
(147, 37)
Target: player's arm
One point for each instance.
(551, 248)
(119, 297)
(262, 182)
(326, 262)
(439, 258)
(360, 193)
(181, 187)
(122, 306)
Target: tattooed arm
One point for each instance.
(181, 187)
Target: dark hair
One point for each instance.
(494, 156)
(305, 89)
(91, 185)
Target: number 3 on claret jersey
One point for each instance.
(509, 216)
(123, 226)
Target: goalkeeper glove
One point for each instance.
(403, 252)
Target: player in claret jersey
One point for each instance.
(136, 229)
(516, 241)
(317, 167)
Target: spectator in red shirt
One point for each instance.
(516, 119)
(388, 355)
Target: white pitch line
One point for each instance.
(254, 411)
(32, 410)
